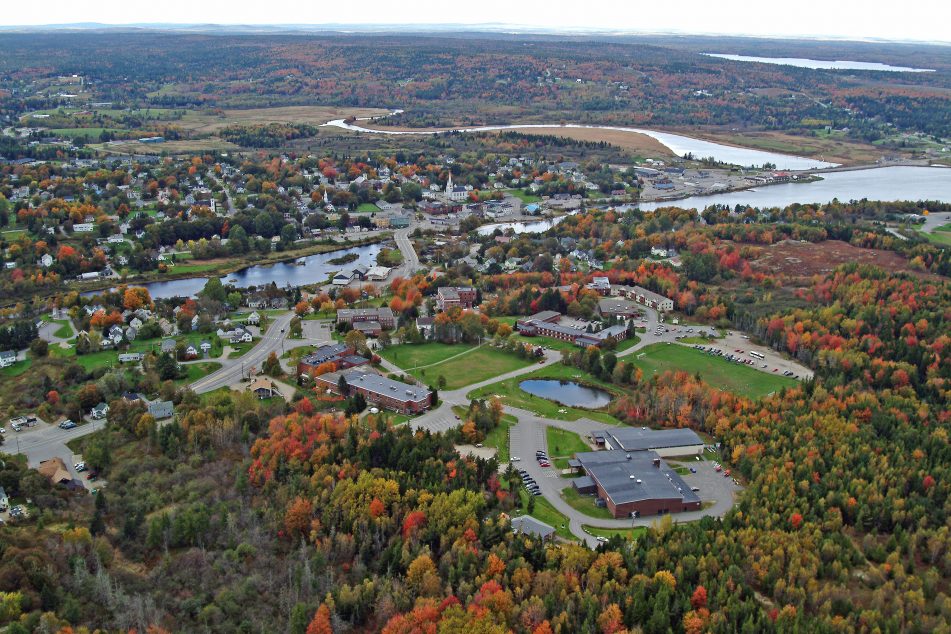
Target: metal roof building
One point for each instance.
(666, 442)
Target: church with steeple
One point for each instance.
(455, 193)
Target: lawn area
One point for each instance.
(65, 330)
(408, 356)
(499, 438)
(547, 513)
(584, 503)
(626, 533)
(525, 198)
(472, 367)
(238, 349)
(941, 235)
(460, 364)
(563, 444)
(513, 396)
(367, 208)
(715, 371)
(16, 369)
(195, 371)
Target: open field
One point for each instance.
(715, 371)
(563, 445)
(472, 367)
(827, 148)
(168, 147)
(939, 235)
(805, 259)
(207, 122)
(408, 356)
(512, 395)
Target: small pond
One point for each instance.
(567, 393)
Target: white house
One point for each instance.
(46, 260)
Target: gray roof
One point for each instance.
(531, 526)
(584, 482)
(387, 387)
(637, 439)
(615, 304)
(325, 353)
(636, 479)
(545, 315)
(161, 409)
(8, 354)
(369, 313)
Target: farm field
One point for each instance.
(715, 371)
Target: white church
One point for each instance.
(455, 193)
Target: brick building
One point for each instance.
(461, 296)
(407, 399)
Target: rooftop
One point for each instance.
(633, 477)
(529, 525)
(383, 386)
(638, 438)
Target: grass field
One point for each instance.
(499, 438)
(513, 396)
(525, 198)
(408, 356)
(460, 365)
(91, 133)
(195, 371)
(16, 369)
(584, 503)
(65, 330)
(715, 371)
(367, 208)
(547, 513)
(626, 533)
(563, 445)
(941, 235)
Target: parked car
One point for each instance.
(602, 539)
(80, 466)
(67, 424)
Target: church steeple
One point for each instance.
(449, 184)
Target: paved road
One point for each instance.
(232, 369)
(411, 262)
(47, 441)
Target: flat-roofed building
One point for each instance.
(546, 324)
(645, 297)
(383, 316)
(408, 399)
(635, 483)
(617, 307)
(461, 296)
(666, 442)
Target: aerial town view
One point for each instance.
(636, 321)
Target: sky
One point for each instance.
(910, 20)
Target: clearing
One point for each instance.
(805, 259)
(714, 370)
(471, 367)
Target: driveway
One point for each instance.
(45, 441)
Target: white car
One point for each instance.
(80, 466)
(3, 430)
(515, 459)
(602, 539)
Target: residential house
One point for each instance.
(7, 358)
(450, 296)
(205, 347)
(130, 357)
(46, 260)
(4, 500)
(263, 388)
(191, 352)
(528, 525)
(168, 345)
(254, 319)
(161, 409)
(100, 411)
(55, 470)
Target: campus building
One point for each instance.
(547, 324)
(634, 484)
(462, 296)
(665, 442)
(340, 354)
(370, 321)
(643, 296)
(407, 399)
(617, 307)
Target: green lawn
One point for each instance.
(715, 371)
(526, 198)
(408, 356)
(940, 236)
(195, 371)
(367, 208)
(499, 438)
(547, 513)
(513, 396)
(65, 330)
(16, 369)
(584, 503)
(563, 444)
(460, 365)
(626, 533)
(238, 349)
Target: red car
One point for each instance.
(726, 474)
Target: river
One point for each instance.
(821, 64)
(315, 269)
(677, 143)
(882, 183)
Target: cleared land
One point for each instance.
(715, 371)
(207, 122)
(408, 356)
(471, 367)
(626, 533)
(805, 259)
(826, 148)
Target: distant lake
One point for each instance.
(882, 183)
(820, 64)
(312, 269)
(533, 226)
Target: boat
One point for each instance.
(232, 280)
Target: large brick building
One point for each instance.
(547, 324)
(340, 354)
(368, 320)
(643, 296)
(461, 296)
(408, 399)
(635, 483)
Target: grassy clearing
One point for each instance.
(65, 330)
(547, 513)
(408, 356)
(563, 444)
(499, 438)
(472, 367)
(513, 396)
(195, 371)
(238, 349)
(16, 369)
(626, 533)
(367, 208)
(584, 503)
(715, 371)
(941, 235)
(521, 195)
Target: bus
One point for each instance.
(757, 355)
